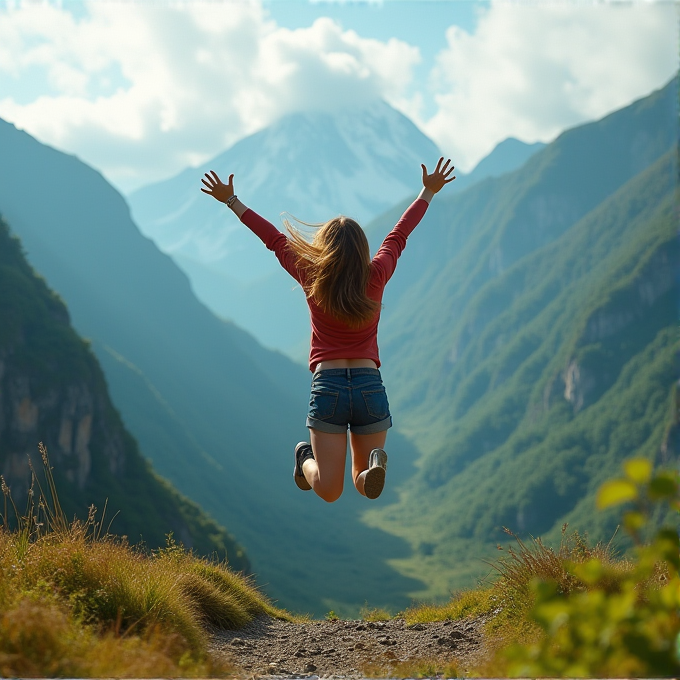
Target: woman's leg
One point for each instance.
(362, 445)
(327, 472)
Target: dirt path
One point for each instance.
(346, 649)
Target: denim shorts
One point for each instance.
(354, 397)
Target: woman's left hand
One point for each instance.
(216, 188)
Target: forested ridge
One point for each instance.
(542, 352)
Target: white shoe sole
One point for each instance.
(374, 482)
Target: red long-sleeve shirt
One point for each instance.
(332, 338)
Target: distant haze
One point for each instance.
(312, 166)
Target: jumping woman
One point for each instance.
(344, 289)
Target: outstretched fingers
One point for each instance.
(210, 182)
(215, 187)
(441, 175)
(444, 171)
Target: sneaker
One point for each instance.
(375, 477)
(303, 451)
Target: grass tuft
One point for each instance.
(374, 614)
(507, 601)
(43, 639)
(465, 604)
(520, 566)
(75, 602)
(411, 668)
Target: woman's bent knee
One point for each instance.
(330, 495)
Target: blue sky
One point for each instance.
(142, 89)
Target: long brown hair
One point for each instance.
(337, 263)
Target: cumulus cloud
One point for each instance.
(532, 70)
(141, 90)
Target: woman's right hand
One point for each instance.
(216, 188)
(438, 178)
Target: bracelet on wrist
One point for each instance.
(230, 200)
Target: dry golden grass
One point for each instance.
(506, 602)
(467, 603)
(374, 614)
(519, 566)
(411, 668)
(76, 603)
(39, 638)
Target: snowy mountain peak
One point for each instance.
(311, 165)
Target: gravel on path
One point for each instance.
(345, 649)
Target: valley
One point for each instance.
(528, 340)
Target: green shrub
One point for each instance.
(617, 623)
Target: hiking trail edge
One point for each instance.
(274, 648)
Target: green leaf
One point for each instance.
(638, 470)
(663, 486)
(590, 572)
(615, 492)
(634, 521)
(670, 535)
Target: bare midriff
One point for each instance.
(345, 363)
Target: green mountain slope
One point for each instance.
(216, 413)
(542, 353)
(53, 390)
(473, 237)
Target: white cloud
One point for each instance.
(532, 70)
(191, 78)
(142, 89)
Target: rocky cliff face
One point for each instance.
(615, 330)
(577, 383)
(51, 387)
(53, 390)
(66, 417)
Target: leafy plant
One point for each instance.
(623, 624)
